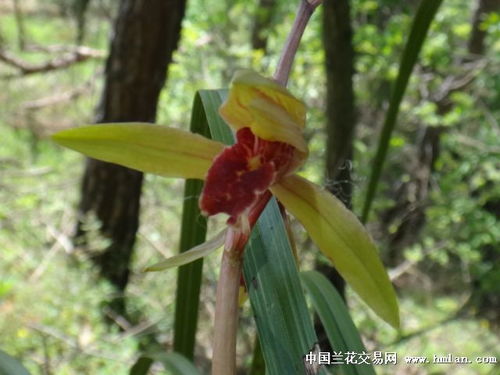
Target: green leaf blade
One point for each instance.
(193, 233)
(343, 239)
(11, 366)
(205, 120)
(174, 363)
(145, 147)
(285, 328)
(333, 313)
(418, 32)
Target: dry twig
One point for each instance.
(57, 98)
(66, 59)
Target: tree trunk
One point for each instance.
(341, 117)
(80, 8)
(145, 36)
(262, 24)
(20, 25)
(340, 111)
(485, 303)
(475, 45)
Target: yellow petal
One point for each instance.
(242, 295)
(344, 240)
(191, 255)
(268, 108)
(149, 148)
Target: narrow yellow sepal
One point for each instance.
(146, 147)
(343, 239)
(191, 255)
(267, 108)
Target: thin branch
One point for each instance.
(57, 48)
(480, 146)
(57, 98)
(425, 330)
(75, 344)
(457, 83)
(408, 264)
(460, 313)
(118, 319)
(79, 54)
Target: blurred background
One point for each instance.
(73, 237)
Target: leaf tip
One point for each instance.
(59, 137)
(395, 320)
(152, 268)
(389, 311)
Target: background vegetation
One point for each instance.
(435, 214)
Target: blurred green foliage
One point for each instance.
(50, 297)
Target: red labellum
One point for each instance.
(241, 173)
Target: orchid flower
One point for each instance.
(239, 179)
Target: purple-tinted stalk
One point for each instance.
(228, 286)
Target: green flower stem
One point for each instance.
(226, 305)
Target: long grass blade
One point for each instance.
(421, 23)
(333, 313)
(205, 120)
(258, 365)
(284, 325)
(193, 233)
(212, 100)
(11, 366)
(174, 363)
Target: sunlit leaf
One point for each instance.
(344, 240)
(149, 148)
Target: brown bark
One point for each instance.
(146, 34)
(19, 24)
(475, 44)
(340, 112)
(76, 55)
(412, 196)
(339, 60)
(80, 8)
(341, 116)
(262, 24)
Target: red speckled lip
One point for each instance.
(241, 173)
